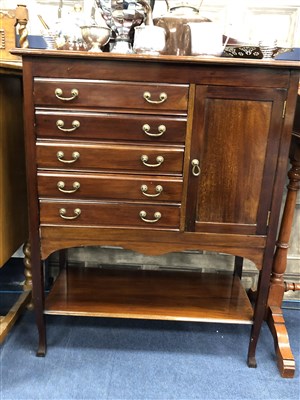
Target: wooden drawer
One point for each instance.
(165, 160)
(109, 214)
(109, 126)
(110, 94)
(118, 187)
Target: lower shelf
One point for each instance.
(160, 295)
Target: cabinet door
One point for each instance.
(235, 137)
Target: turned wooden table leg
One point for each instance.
(27, 271)
(21, 23)
(275, 320)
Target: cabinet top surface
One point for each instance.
(226, 61)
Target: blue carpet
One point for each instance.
(93, 358)
(101, 358)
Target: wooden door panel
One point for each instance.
(239, 153)
(231, 136)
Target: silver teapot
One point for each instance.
(122, 16)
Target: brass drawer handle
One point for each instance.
(158, 188)
(145, 158)
(60, 124)
(161, 130)
(61, 187)
(58, 93)
(60, 155)
(143, 215)
(196, 169)
(63, 212)
(162, 97)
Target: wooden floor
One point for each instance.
(160, 295)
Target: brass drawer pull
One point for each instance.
(196, 169)
(162, 97)
(60, 124)
(145, 158)
(58, 93)
(143, 215)
(63, 212)
(61, 154)
(161, 129)
(158, 189)
(61, 187)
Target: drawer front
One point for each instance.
(118, 187)
(110, 94)
(109, 214)
(138, 159)
(109, 126)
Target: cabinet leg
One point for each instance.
(251, 362)
(63, 259)
(238, 266)
(38, 296)
(41, 352)
(255, 331)
(260, 310)
(40, 321)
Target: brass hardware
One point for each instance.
(59, 93)
(63, 211)
(61, 185)
(60, 124)
(145, 158)
(61, 154)
(283, 110)
(161, 129)
(162, 97)
(158, 189)
(143, 215)
(196, 169)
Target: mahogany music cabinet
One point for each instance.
(156, 154)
